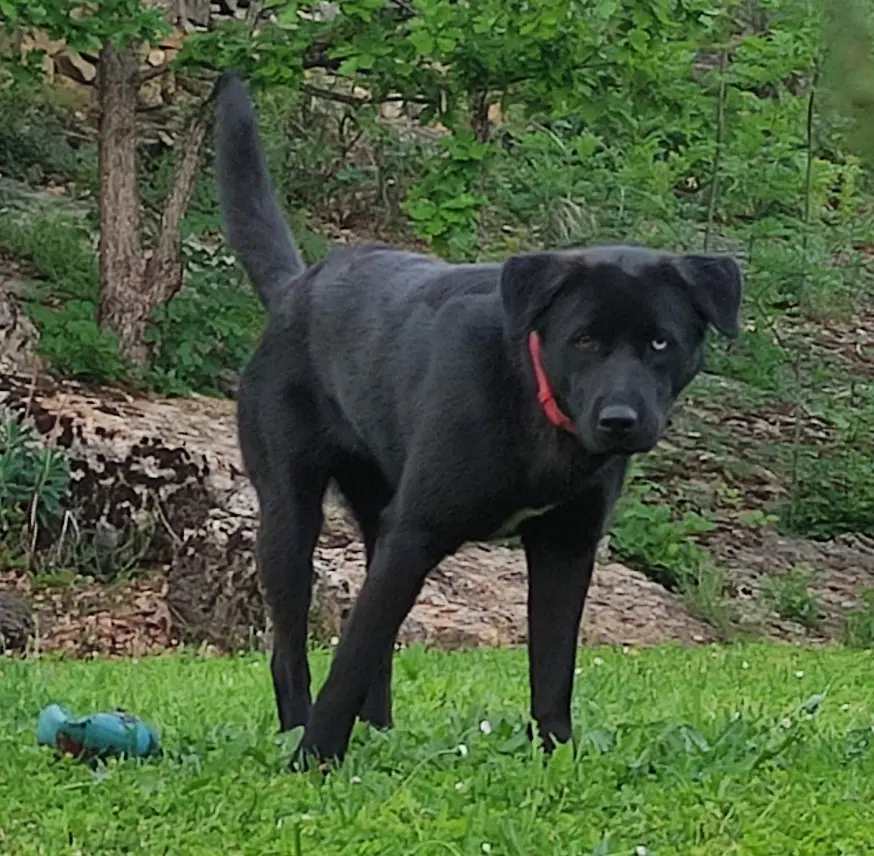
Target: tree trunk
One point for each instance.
(124, 307)
(132, 283)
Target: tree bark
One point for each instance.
(163, 274)
(133, 282)
(124, 307)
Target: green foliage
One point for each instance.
(85, 28)
(704, 595)
(34, 480)
(33, 141)
(61, 251)
(859, 624)
(442, 207)
(650, 535)
(834, 479)
(208, 327)
(76, 345)
(790, 595)
(756, 750)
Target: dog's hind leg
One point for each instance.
(290, 499)
(368, 495)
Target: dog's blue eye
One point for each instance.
(659, 344)
(586, 344)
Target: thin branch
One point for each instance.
(798, 352)
(717, 155)
(163, 270)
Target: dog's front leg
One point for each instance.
(560, 552)
(402, 560)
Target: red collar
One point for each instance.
(545, 395)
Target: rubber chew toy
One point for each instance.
(100, 735)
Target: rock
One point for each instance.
(172, 41)
(16, 624)
(151, 94)
(170, 468)
(76, 67)
(196, 12)
(41, 42)
(18, 335)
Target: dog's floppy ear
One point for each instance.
(715, 286)
(529, 283)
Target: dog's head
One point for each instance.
(622, 331)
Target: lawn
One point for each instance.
(755, 749)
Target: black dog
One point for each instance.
(445, 400)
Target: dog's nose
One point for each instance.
(617, 419)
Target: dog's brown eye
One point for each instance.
(586, 344)
(659, 344)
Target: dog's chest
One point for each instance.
(510, 526)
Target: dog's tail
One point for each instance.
(254, 225)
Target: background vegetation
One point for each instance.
(480, 129)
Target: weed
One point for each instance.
(704, 596)
(859, 624)
(209, 326)
(61, 251)
(34, 480)
(791, 597)
(648, 534)
(33, 143)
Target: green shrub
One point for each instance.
(34, 479)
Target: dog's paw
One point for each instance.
(308, 758)
(550, 735)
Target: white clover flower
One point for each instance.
(598, 661)
(485, 726)
(462, 750)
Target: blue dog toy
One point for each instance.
(101, 735)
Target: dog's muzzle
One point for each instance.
(619, 427)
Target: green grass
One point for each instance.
(706, 751)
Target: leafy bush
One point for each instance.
(34, 479)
